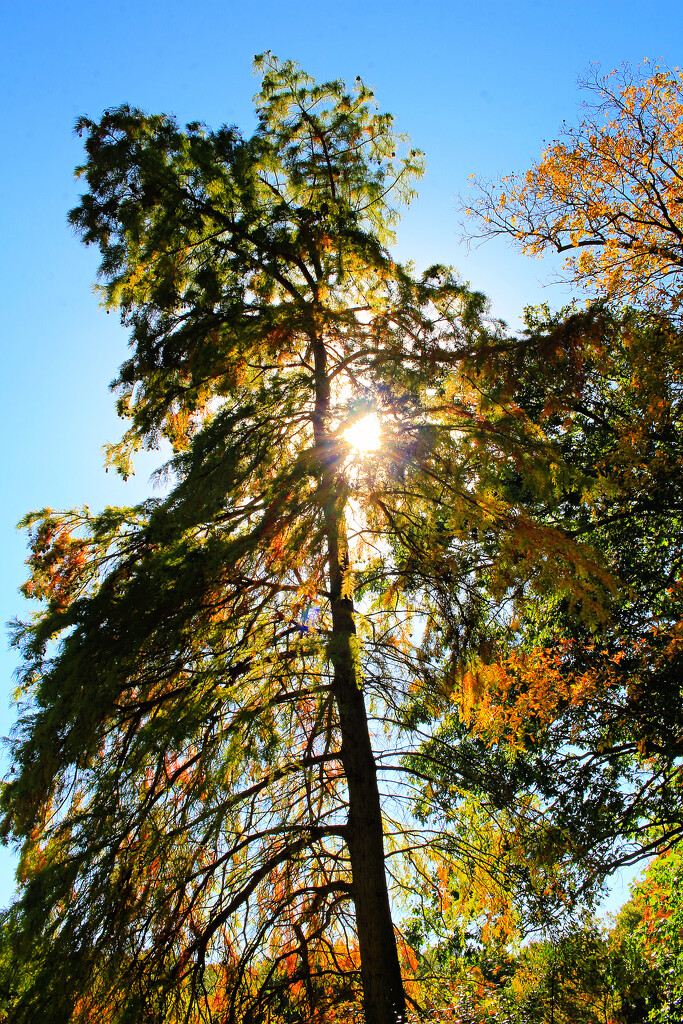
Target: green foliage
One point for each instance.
(215, 248)
(629, 974)
(657, 906)
(581, 973)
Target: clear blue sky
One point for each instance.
(476, 85)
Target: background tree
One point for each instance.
(656, 909)
(628, 973)
(609, 192)
(605, 387)
(568, 736)
(570, 726)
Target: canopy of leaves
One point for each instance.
(570, 728)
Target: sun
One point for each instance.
(365, 435)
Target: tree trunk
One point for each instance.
(383, 994)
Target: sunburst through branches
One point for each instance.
(365, 435)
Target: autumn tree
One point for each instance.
(608, 192)
(593, 712)
(627, 971)
(186, 810)
(219, 688)
(656, 910)
(572, 726)
(563, 744)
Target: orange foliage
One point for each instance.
(608, 192)
(56, 561)
(501, 700)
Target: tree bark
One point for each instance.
(383, 993)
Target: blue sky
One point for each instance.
(478, 86)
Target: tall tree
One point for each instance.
(195, 785)
(608, 192)
(221, 681)
(202, 761)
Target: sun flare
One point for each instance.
(365, 435)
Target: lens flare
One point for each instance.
(365, 435)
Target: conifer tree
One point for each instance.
(200, 755)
